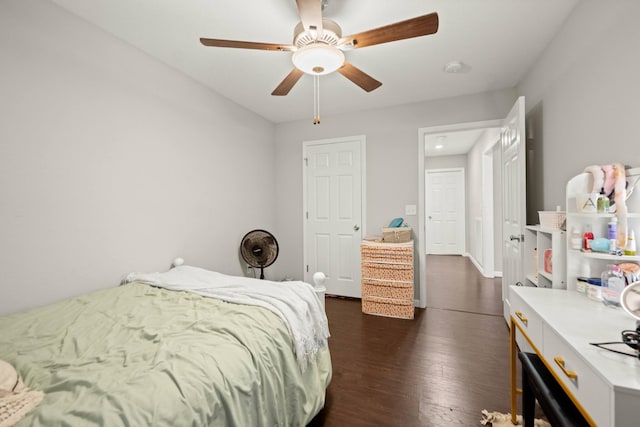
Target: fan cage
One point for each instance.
(254, 242)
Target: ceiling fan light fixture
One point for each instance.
(318, 59)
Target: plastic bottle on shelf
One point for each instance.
(585, 269)
(612, 285)
(587, 237)
(612, 235)
(575, 238)
(630, 248)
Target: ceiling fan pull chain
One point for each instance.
(316, 100)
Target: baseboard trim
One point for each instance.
(479, 267)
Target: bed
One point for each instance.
(143, 354)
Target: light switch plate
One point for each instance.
(410, 210)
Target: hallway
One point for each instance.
(453, 283)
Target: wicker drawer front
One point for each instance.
(387, 254)
(387, 307)
(394, 272)
(385, 289)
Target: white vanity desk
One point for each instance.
(559, 325)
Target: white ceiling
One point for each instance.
(498, 39)
(451, 143)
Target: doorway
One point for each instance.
(480, 136)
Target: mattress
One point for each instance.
(141, 355)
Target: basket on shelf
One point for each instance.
(396, 234)
(552, 219)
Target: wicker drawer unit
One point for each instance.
(387, 279)
(387, 289)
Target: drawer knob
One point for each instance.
(521, 316)
(560, 362)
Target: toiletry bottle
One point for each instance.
(585, 269)
(587, 237)
(603, 202)
(612, 234)
(630, 249)
(576, 238)
(612, 285)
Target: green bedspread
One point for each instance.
(138, 355)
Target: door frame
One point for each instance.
(462, 171)
(363, 191)
(488, 215)
(422, 134)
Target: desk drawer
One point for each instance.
(587, 388)
(529, 321)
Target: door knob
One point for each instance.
(356, 227)
(519, 238)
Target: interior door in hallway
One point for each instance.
(333, 212)
(445, 207)
(512, 141)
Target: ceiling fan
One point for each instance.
(318, 45)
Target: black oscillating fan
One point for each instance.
(259, 249)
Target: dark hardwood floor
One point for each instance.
(440, 369)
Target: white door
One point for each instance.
(512, 140)
(333, 213)
(445, 208)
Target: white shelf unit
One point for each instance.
(579, 262)
(537, 240)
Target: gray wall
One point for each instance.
(475, 194)
(585, 96)
(112, 162)
(392, 165)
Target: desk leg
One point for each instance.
(513, 350)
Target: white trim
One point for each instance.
(479, 267)
(476, 264)
(422, 133)
(363, 189)
(488, 251)
(446, 170)
(488, 229)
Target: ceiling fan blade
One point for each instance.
(246, 45)
(310, 12)
(359, 77)
(414, 27)
(285, 86)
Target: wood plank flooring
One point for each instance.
(440, 369)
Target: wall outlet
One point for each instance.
(410, 210)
